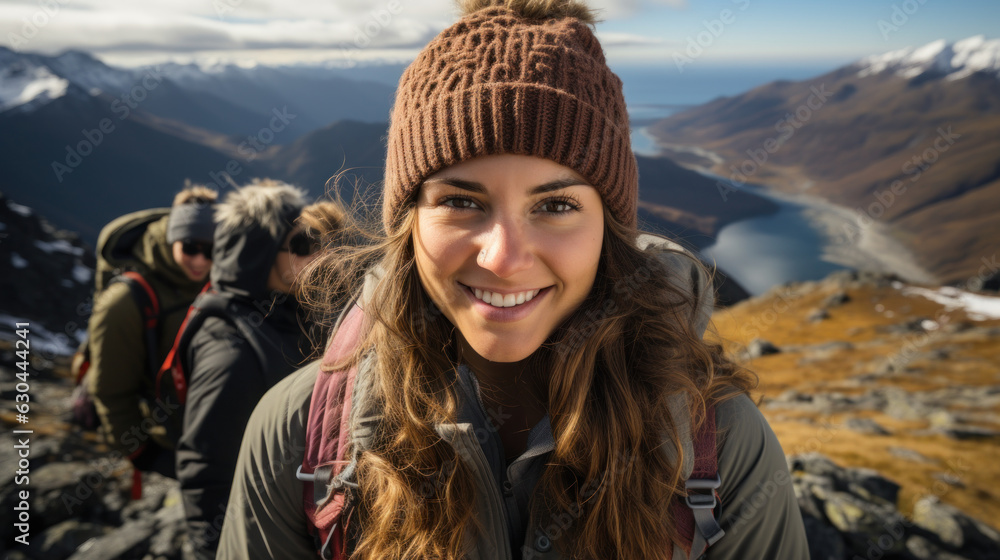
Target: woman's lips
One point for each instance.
(505, 314)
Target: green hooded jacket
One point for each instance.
(118, 379)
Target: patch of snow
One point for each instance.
(957, 60)
(42, 340)
(17, 261)
(82, 274)
(18, 209)
(978, 307)
(21, 83)
(59, 245)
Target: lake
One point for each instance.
(762, 252)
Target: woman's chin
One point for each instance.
(503, 351)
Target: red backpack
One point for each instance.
(327, 426)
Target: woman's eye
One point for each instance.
(459, 202)
(558, 206)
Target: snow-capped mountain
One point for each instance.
(907, 139)
(954, 60)
(227, 98)
(28, 86)
(29, 81)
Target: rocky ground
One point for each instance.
(885, 401)
(864, 374)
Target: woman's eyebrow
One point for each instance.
(475, 187)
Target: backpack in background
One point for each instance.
(116, 263)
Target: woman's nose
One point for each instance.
(506, 249)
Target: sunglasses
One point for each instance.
(192, 248)
(301, 244)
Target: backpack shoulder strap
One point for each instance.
(149, 305)
(327, 431)
(694, 517)
(207, 304)
(172, 363)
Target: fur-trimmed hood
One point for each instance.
(252, 224)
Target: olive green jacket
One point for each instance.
(118, 379)
(265, 517)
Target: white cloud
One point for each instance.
(612, 39)
(120, 29)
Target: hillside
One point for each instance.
(908, 138)
(871, 372)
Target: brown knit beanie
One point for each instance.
(499, 82)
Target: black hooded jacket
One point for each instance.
(225, 374)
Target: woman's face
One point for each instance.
(298, 250)
(507, 247)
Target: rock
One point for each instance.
(866, 426)
(964, 433)
(60, 541)
(950, 479)
(759, 347)
(955, 529)
(909, 455)
(62, 491)
(941, 419)
(915, 325)
(864, 524)
(155, 488)
(158, 533)
(817, 315)
(131, 540)
(813, 463)
(836, 299)
(904, 406)
(870, 485)
(924, 549)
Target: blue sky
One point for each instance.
(640, 32)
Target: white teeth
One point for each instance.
(500, 300)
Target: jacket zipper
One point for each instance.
(495, 499)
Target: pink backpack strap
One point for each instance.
(694, 517)
(326, 438)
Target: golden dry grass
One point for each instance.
(972, 360)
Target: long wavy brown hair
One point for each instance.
(609, 369)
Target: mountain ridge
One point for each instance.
(917, 152)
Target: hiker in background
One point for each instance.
(523, 374)
(151, 265)
(243, 336)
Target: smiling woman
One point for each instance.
(507, 247)
(518, 373)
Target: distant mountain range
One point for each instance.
(910, 138)
(88, 142)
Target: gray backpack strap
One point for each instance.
(700, 472)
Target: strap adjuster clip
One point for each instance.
(699, 500)
(305, 477)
